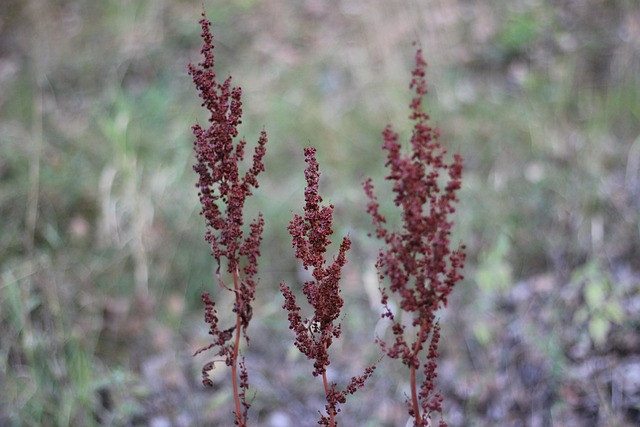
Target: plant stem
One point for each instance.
(414, 390)
(236, 346)
(414, 397)
(326, 392)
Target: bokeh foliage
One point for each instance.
(101, 248)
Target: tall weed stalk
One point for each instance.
(416, 262)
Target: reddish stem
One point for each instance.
(414, 397)
(236, 347)
(326, 392)
(414, 390)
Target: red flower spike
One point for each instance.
(417, 260)
(310, 239)
(223, 192)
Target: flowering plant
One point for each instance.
(315, 335)
(220, 183)
(417, 259)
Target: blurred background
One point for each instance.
(102, 255)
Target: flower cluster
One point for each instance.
(223, 192)
(417, 259)
(314, 336)
(217, 162)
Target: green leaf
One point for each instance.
(519, 33)
(614, 312)
(595, 294)
(495, 273)
(482, 333)
(599, 329)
